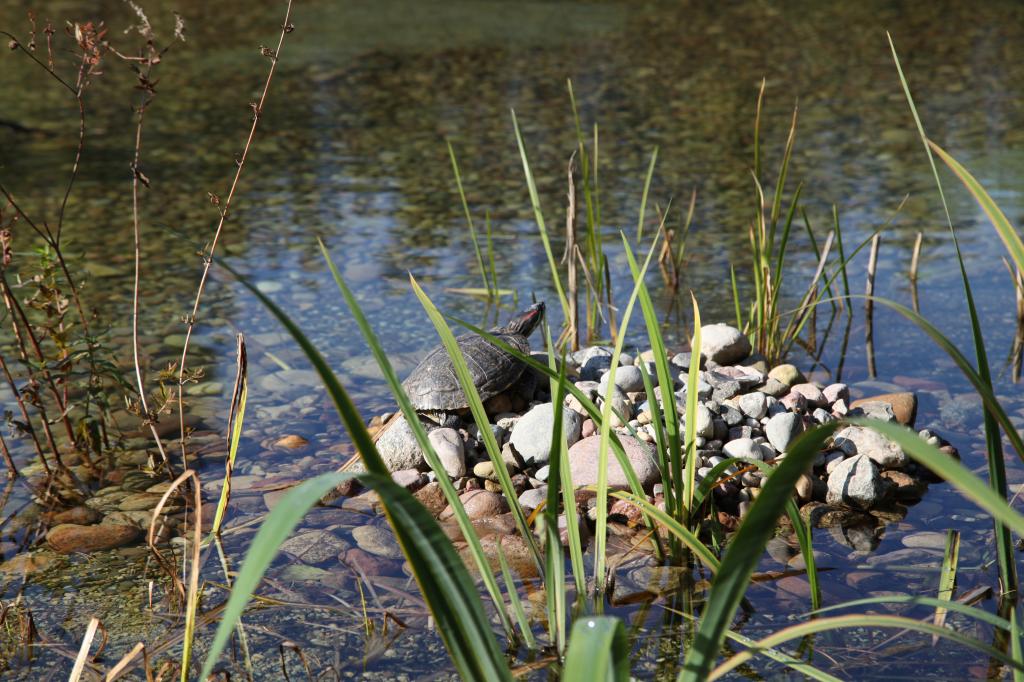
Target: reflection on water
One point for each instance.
(353, 151)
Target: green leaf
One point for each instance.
(1011, 239)
(539, 216)
(598, 651)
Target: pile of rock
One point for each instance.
(745, 409)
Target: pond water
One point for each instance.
(352, 149)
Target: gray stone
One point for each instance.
(874, 410)
(782, 429)
(583, 463)
(398, 447)
(533, 498)
(594, 362)
(855, 482)
(622, 408)
(787, 374)
(812, 393)
(723, 344)
(926, 539)
(377, 541)
(774, 388)
(822, 416)
(753, 405)
(833, 459)
(410, 479)
(531, 436)
(315, 546)
(704, 422)
(627, 378)
(448, 445)
(743, 447)
(682, 361)
(880, 449)
(834, 392)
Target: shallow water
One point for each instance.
(352, 150)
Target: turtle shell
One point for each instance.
(433, 385)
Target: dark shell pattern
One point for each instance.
(433, 385)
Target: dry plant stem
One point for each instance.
(916, 256)
(869, 303)
(83, 73)
(24, 415)
(192, 594)
(286, 27)
(146, 99)
(83, 652)
(12, 471)
(569, 260)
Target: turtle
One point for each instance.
(433, 388)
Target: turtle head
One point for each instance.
(525, 322)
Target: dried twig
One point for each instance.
(225, 208)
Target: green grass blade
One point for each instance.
(859, 621)
(805, 539)
(598, 651)
(996, 464)
(691, 414)
(947, 574)
(780, 185)
(236, 437)
(1011, 239)
(982, 387)
(917, 600)
(555, 574)
(787, 226)
(1016, 651)
(643, 198)
(666, 381)
(560, 479)
(660, 442)
(442, 577)
(842, 256)
(601, 530)
(757, 130)
(671, 525)
(490, 257)
(420, 434)
(539, 216)
(476, 406)
(745, 550)
(516, 603)
(735, 296)
(469, 216)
